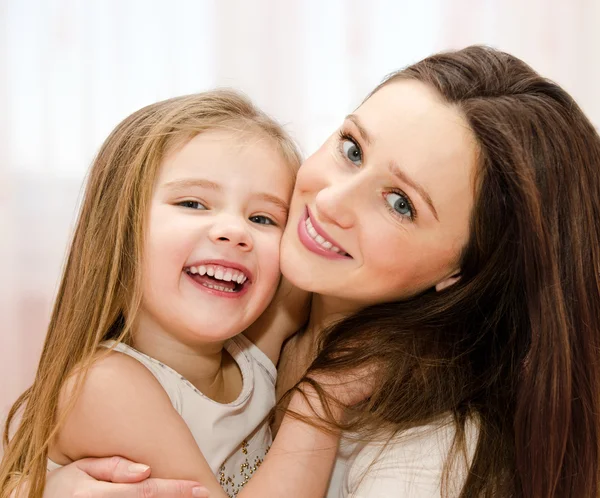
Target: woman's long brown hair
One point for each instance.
(515, 344)
(99, 294)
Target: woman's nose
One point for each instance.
(229, 230)
(336, 203)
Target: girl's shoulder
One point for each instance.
(112, 380)
(119, 408)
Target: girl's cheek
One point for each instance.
(271, 254)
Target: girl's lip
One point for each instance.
(311, 244)
(215, 292)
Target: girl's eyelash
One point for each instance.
(192, 201)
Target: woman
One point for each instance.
(450, 234)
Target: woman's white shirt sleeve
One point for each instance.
(411, 465)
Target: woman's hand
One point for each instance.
(115, 477)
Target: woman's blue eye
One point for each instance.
(352, 151)
(262, 220)
(400, 204)
(192, 205)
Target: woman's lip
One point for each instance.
(320, 230)
(312, 245)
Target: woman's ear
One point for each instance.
(447, 282)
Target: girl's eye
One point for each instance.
(262, 220)
(352, 151)
(400, 204)
(192, 205)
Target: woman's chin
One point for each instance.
(298, 272)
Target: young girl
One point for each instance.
(176, 252)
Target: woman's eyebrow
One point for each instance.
(398, 173)
(361, 129)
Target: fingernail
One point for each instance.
(137, 468)
(200, 492)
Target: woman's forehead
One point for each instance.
(409, 124)
(404, 104)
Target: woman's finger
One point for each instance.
(114, 469)
(150, 488)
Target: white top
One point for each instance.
(233, 437)
(410, 466)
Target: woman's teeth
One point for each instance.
(324, 243)
(219, 273)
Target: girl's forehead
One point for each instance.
(229, 158)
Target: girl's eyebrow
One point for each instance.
(192, 182)
(197, 182)
(273, 199)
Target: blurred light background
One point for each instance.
(70, 70)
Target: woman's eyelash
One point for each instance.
(411, 206)
(344, 135)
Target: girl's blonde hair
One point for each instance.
(100, 291)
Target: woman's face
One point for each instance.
(381, 211)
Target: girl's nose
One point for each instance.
(230, 230)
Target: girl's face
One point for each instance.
(211, 255)
(381, 211)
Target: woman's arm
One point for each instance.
(114, 477)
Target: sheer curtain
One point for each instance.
(70, 70)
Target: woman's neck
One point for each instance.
(301, 349)
(325, 311)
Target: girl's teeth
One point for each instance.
(327, 244)
(219, 273)
(217, 287)
(335, 249)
